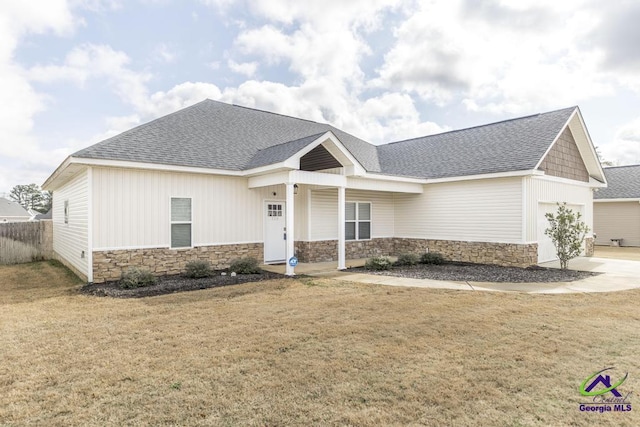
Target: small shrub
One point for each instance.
(136, 277)
(407, 259)
(198, 269)
(245, 266)
(378, 263)
(432, 258)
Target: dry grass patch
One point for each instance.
(307, 352)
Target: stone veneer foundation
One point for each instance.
(109, 265)
(504, 254)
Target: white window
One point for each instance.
(66, 212)
(180, 222)
(357, 221)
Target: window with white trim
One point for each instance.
(357, 221)
(180, 222)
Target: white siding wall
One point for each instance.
(615, 220)
(324, 207)
(70, 240)
(544, 190)
(487, 210)
(131, 208)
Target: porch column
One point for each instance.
(289, 270)
(341, 213)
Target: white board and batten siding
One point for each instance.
(134, 208)
(543, 194)
(617, 220)
(487, 210)
(71, 240)
(323, 222)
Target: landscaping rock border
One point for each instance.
(174, 283)
(465, 272)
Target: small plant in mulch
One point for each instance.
(378, 263)
(407, 259)
(434, 258)
(198, 269)
(136, 277)
(245, 266)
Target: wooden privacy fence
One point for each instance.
(26, 241)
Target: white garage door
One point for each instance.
(546, 249)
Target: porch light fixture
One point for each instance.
(295, 188)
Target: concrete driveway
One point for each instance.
(617, 252)
(617, 274)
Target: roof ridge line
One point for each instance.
(269, 112)
(293, 140)
(479, 126)
(621, 166)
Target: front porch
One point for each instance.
(332, 209)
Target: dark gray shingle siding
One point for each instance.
(623, 182)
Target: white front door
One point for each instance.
(274, 232)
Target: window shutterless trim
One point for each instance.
(357, 220)
(172, 223)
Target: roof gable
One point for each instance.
(511, 145)
(318, 159)
(623, 182)
(564, 159)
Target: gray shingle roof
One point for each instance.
(11, 208)
(511, 145)
(281, 152)
(216, 135)
(623, 182)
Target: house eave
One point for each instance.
(509, 174)
(618, 200)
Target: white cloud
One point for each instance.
(163, 53)
(91, 61)
(625, 147)
(497, 56)
(19, 150)
(246, 68)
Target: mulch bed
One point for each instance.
(463, 272)
(176, 283)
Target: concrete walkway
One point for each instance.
(617, 275)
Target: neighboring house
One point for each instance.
(217, 181)
(11, 211)
(42, 216)
(616, 209)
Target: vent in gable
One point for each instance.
(318, 159)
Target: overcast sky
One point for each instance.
(73, 72)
